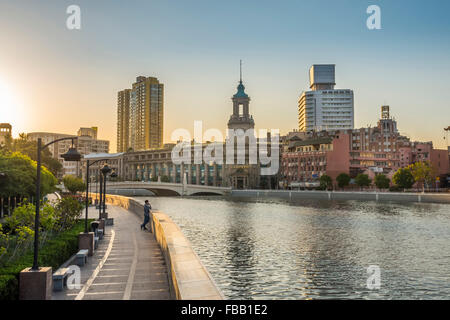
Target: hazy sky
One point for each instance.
(57, 80)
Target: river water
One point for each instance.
(318, 249)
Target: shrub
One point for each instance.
(24, 215)
(54, 253)
(68, 210)
(8, 287)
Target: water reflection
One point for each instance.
(318, 249)
(240, 251)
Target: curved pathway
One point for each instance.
(128, 264)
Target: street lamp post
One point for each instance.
(71, 155)
(105, 170)
(35, 282)
(88, 164)
(100, 182)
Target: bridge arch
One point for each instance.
(205, 193)
(163, 192)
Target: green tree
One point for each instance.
(343, 180)
(73, 184)
(381, 181)
(326, 182)
(403, 178)
(29, 148)
(363, 180)
(20, 178)
(423, 172)
(154, 179)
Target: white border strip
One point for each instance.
(127, 294)
(88, 283)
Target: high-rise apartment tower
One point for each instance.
(324, 107)
(140, 115)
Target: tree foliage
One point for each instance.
(73, 184)
(403, 178)
(363, 180)
(20, 177)
(343, 180)
(423, 172)
(17, 231)
(29, 148)
(381, 181)
(326, 182)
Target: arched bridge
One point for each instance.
(167, 189)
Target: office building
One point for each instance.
(324, 107)
(86, 143)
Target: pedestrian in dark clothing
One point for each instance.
(147, 208)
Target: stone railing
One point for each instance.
(188, 277)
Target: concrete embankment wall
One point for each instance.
(343, 195)
(188, 277)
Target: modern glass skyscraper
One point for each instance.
(324, 107)
(140, 115)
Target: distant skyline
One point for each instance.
(56, 80)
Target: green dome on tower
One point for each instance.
(240, 93)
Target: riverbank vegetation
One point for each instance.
(58, 230)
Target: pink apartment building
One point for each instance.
(381, 149)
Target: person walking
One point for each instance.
(147, 208)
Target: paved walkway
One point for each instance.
(128, 264)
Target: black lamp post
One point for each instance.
(105, 170)
(88, 164)
(71, 155)
(100, 192)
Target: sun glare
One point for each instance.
(8, 104)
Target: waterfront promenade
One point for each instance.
(128, 264)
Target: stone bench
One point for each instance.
(81, 257)
(95, 243)
(100, 234)
(60, 278)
